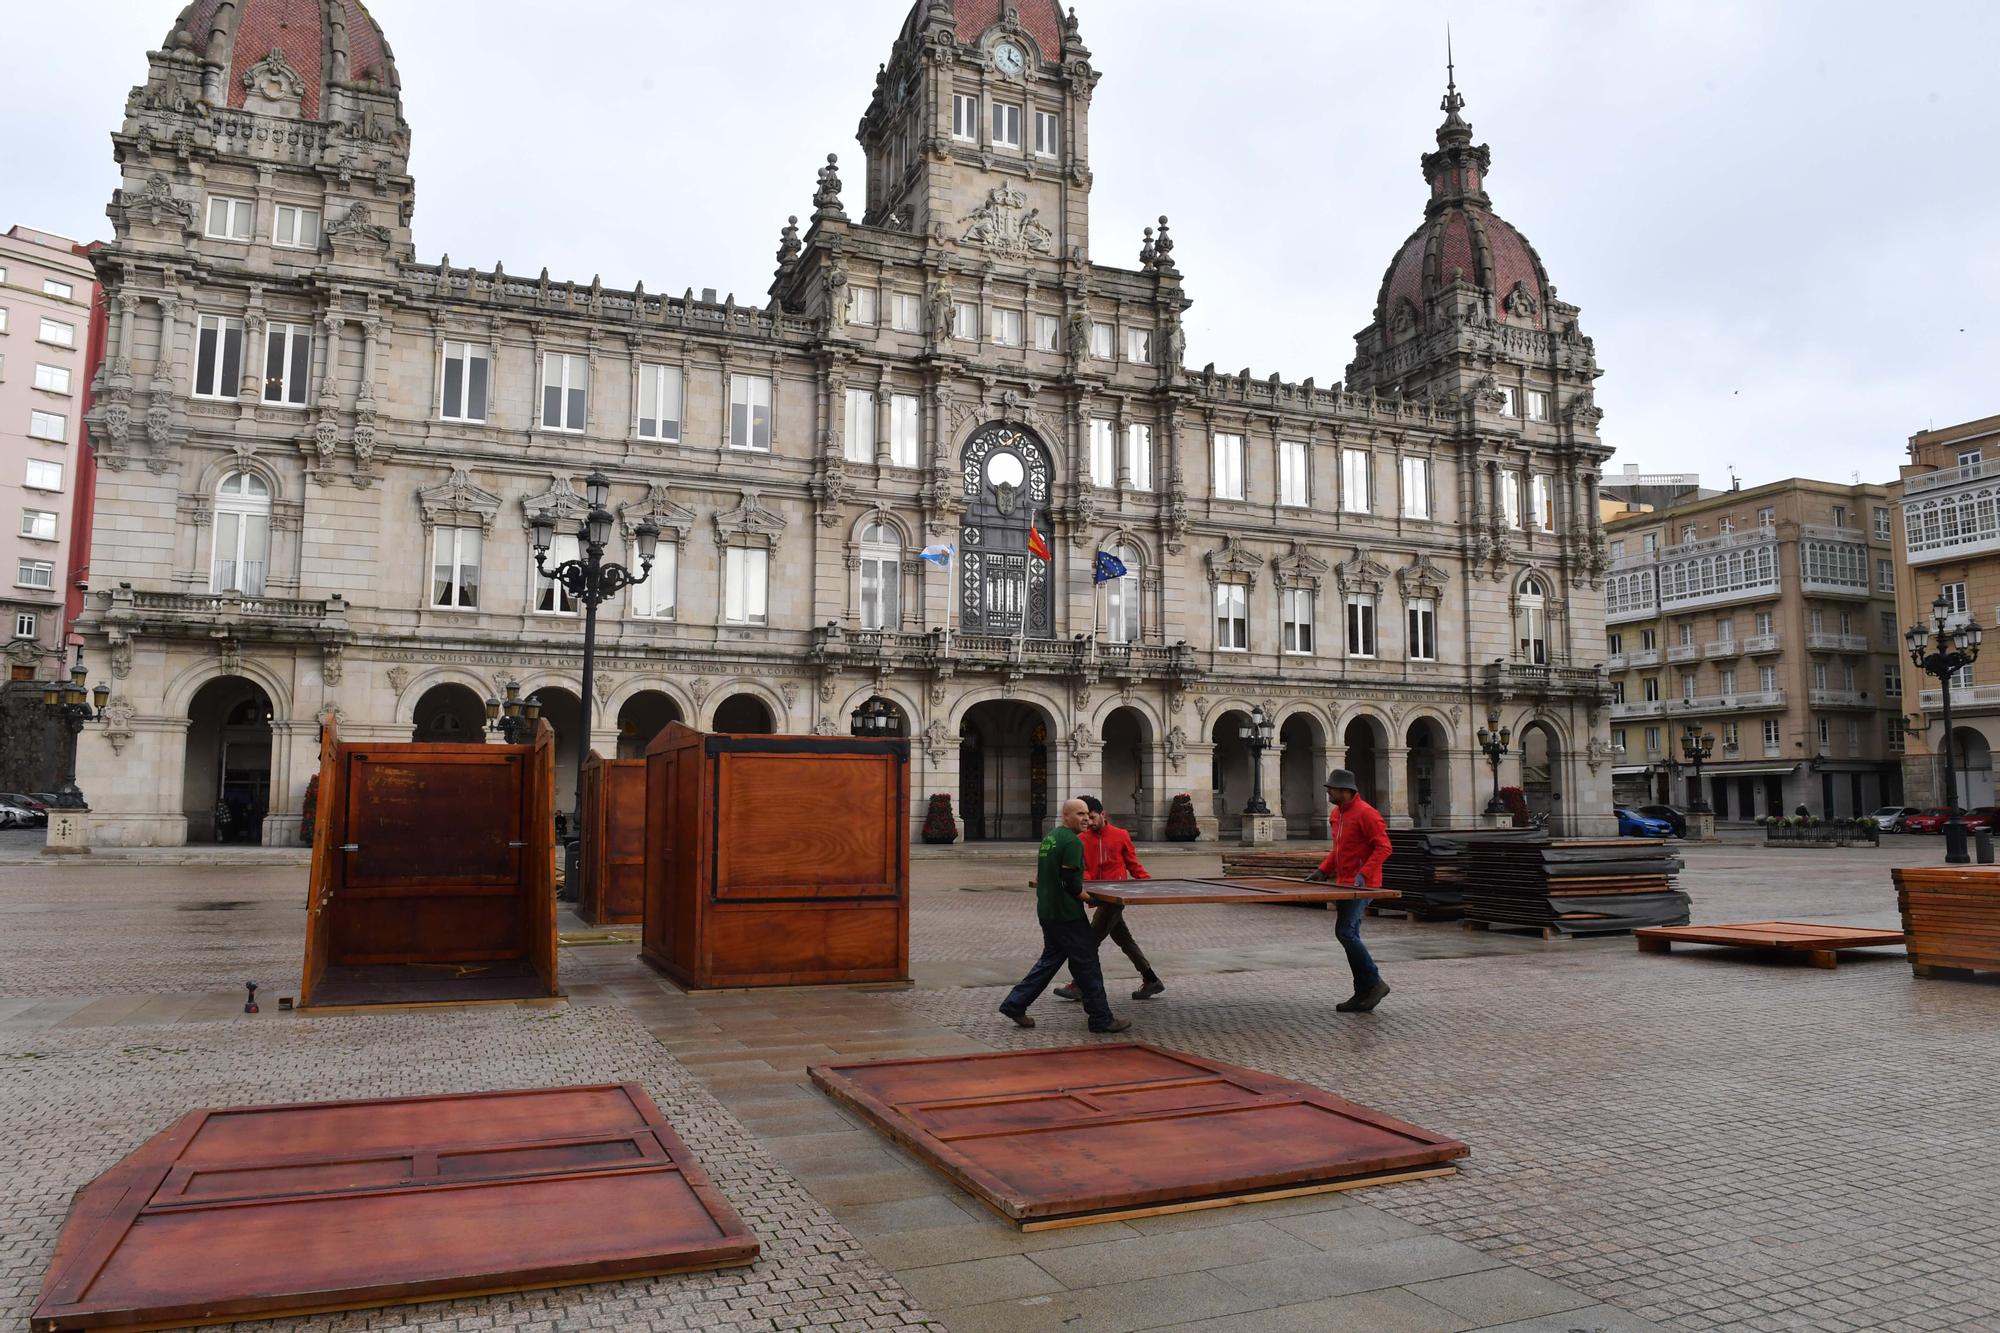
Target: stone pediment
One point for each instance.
(1362, 572)
(1231, 563)
(458, 501)
(673, 520)
(1297, 568)
(749, 524)
(272, 87)
(558, 503)
(1005, 226)
(1422, 578)
(357, 230)
(157, 204)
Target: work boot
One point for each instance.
(1148, 988)
(1020, 1020)
(1364, 1001)
(1068, 991)
(1115, 1025)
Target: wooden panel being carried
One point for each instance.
(433, 874)
(1150, 892)
(613, 874)
(251, 1211)
(777, 860)
(1819, 943)
(1095, 1133)
(1951, 918)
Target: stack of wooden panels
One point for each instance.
(1951, 918)
(1575, 886)
(1428, 867)
(1267, 863)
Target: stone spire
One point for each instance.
(1456, 172)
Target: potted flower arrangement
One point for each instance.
(1181, 825)
(939, 826)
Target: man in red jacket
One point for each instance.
(1360, 846)
(1108, 854)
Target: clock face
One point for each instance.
(1007, 58)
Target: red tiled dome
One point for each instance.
(323, 40)
(1041, 20)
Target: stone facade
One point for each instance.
(336, 523)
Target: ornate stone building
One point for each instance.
(321, 456)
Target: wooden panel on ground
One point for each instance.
(1151, 892)
(1583, 886)
(433, 874)
(613, 887)
(1095, 1133)
(1951, 918)
(777, 860)
(1820, 943)
(254, 1211)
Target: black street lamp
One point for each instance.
(1494, 740)
(873, 718)
(67, 703)
(1256, 735)
(513, 721)
(1697, 747)
(589, 579)
(1940, 650)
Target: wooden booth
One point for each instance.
(777, 860)
(612, 887)
(433, 873)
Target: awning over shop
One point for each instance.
(1631, 770)
(1749, 770)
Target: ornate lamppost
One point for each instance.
(1940, 649)
(1494, 740)
(1256, 735)
(589, 579)
(1697, 747)
(67, 703)
(873, 718)
(513, 721)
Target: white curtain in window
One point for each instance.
(242, 535)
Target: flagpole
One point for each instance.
(950, 598)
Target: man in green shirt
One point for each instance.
(1066, 933)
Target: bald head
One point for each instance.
(1073, 813)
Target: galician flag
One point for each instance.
(1037, 545)
(937, 555)
(1108, 567)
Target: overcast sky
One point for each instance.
(1779, 218)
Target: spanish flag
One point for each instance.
(1037, 545)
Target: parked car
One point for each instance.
(19, 816)
(1932, 820)
(1632, 824)
(37, 812)
(1676, 820)
(1980, 817)
(1891, 817)
(10, 816)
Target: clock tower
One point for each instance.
(979, 129)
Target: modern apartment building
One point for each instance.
(46, 289)
(1767, 618)
(1949, 545)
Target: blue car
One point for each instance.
(1632, 824)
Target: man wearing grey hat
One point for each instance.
(1360, 846)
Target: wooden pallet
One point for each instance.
(1820, 944)
(1951, 915)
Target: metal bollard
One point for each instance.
(1982, 846)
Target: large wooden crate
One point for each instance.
(613, 872)
(1951, 918)
(433, 873)
(777, 860)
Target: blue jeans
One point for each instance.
(1347, 929)
(1070, 942)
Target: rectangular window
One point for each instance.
(551, 598)
(49, 426)
(1416, 487)
(1651, 688)
(62, 291)
(1509, 402)
(455, 568)
(1292, 487)
(1046, 139)
(1895, 734)
(295, 228)
(1646, 643)
(1006, 328)
(1725, 630)
(1139, 346)
(287, 361)
(1771, 739)
(1228, 474)
(1423, 618)
(1510, 502)
(52, 379)
(1847, 676)
(1006, 125)
(1686, 631)
(1824, 730)
(1817, 620)
(43, 475)
(750, 413)
(1618, 550)
(1618, 691)
(1967, 457)
(56, 332)
(230, 219)
(1885, 576)
(1048, 333)
(1725, 525)
(1726, 680)
(1538, 405)
(1729, 735)
(881, 577)
(1543, 501)
(860, 426)
(1881, 524)
(1360, 625)
(1103, 461)
(655, 598)
(964, 118)
(1763, 622)
(905, 433)
(1618, 739)
(1139, 456)
(1767, 678)
(36, 574)
(1101, 341)
(909, 313)
(1687, 686)
(1614, 643)
(1354, 488)
(1687, 533)
(965, 321)
(1652, 740)
(1650, 543)
(862, 305)
(1232, 617)
(218, 356)
(1767, 516)
(38, 524)
(25, 624)
(1954, 596)
(462, 385)
(1819, 675)
(1298, 609)
(745, 575)
(565, 390)
(659, 402)
(1840, 516)
(1889, 630)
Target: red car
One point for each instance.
(1932, 820)
(1982, 817)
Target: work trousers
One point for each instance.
(1347, 929)
(1109, 920)
(1065, 942)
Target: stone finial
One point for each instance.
(1147, 254)
(1163, 248)
(788, 240)
(826, 199)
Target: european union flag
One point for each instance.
(1109, 567)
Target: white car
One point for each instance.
(1891, 817)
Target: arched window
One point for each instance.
(242, 535)
(1121, 599)
(1533, 623)
(881, 577)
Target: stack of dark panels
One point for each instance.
(1575, 887)
(1429, 867)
